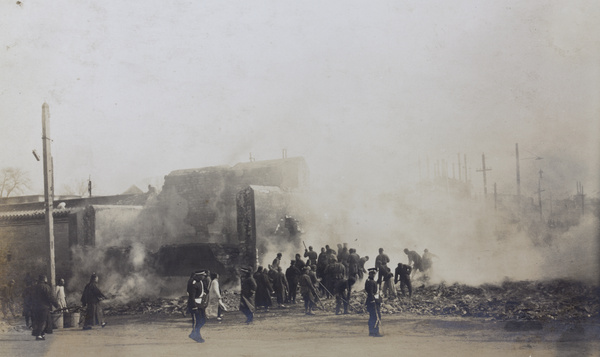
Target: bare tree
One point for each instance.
(79, 188)
(13, 180)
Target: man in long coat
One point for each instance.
(248, 285)
(42, 300)
(90, 298)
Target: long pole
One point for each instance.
(518, 176)
(48, 189)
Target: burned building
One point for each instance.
(194, 222)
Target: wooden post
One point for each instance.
(518, 176)
(48, 190)
(484, 169)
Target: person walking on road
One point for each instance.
(373, 304)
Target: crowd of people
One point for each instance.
(329, 274)
(315, 276)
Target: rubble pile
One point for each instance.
(525, 300)
(173, 306)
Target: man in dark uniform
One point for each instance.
(196, 304)
(321, 263)
(334, 272)
(292, 274)
(415, 259)
(403, 272)
(353, 262)
(248, 285)
(308, 292)
(343, 290)
(42, 301)
(373, 304)
(281, 287)
(299, 262)
(312, 256)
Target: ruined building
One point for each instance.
(217, 218)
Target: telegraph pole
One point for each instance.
(48, 189)
(540, 193)
(581, 195)
(484, 169)
(518, 176)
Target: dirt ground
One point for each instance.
(288, 332)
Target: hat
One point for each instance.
(306, 268)
(372, 270)
(245, 270)
(41, 277)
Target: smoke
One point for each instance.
(474, 242)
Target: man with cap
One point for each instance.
(196, 300)
(42, 301)
(248, 285)
(373, 304)
(308, 292)
(292, 275)
(311, 255)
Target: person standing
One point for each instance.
(248, 285)
(263, 289)
(215, 306)
(292, 275)
(427, 260)
(373, 304)
(311, 255)
(42, 301)
(280, 286)
(60, 294)
(353, 263)
(403, 272)
(8, 298)
(343, 290)
(28, 302)
(197, 299)
(277, 261)
(382, 259)
(308, 292)
(90, 299)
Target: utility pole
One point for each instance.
(581, 195)
(48, 189)
(518, 176)
(465, 162)
(495, 198)
(459, 172)
(540, 193)
(484, 169)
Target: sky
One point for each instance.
(371, 94)
(366, 93)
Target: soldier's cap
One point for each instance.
(41, 277)
(245, 270)
(306, 268)
(372, 270)
(201, 272)
(293, 260)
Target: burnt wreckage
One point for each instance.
(218, 218)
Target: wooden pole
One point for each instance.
(48, 190)
(518, 176)
(484, 169)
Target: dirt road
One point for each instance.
(290, 333)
